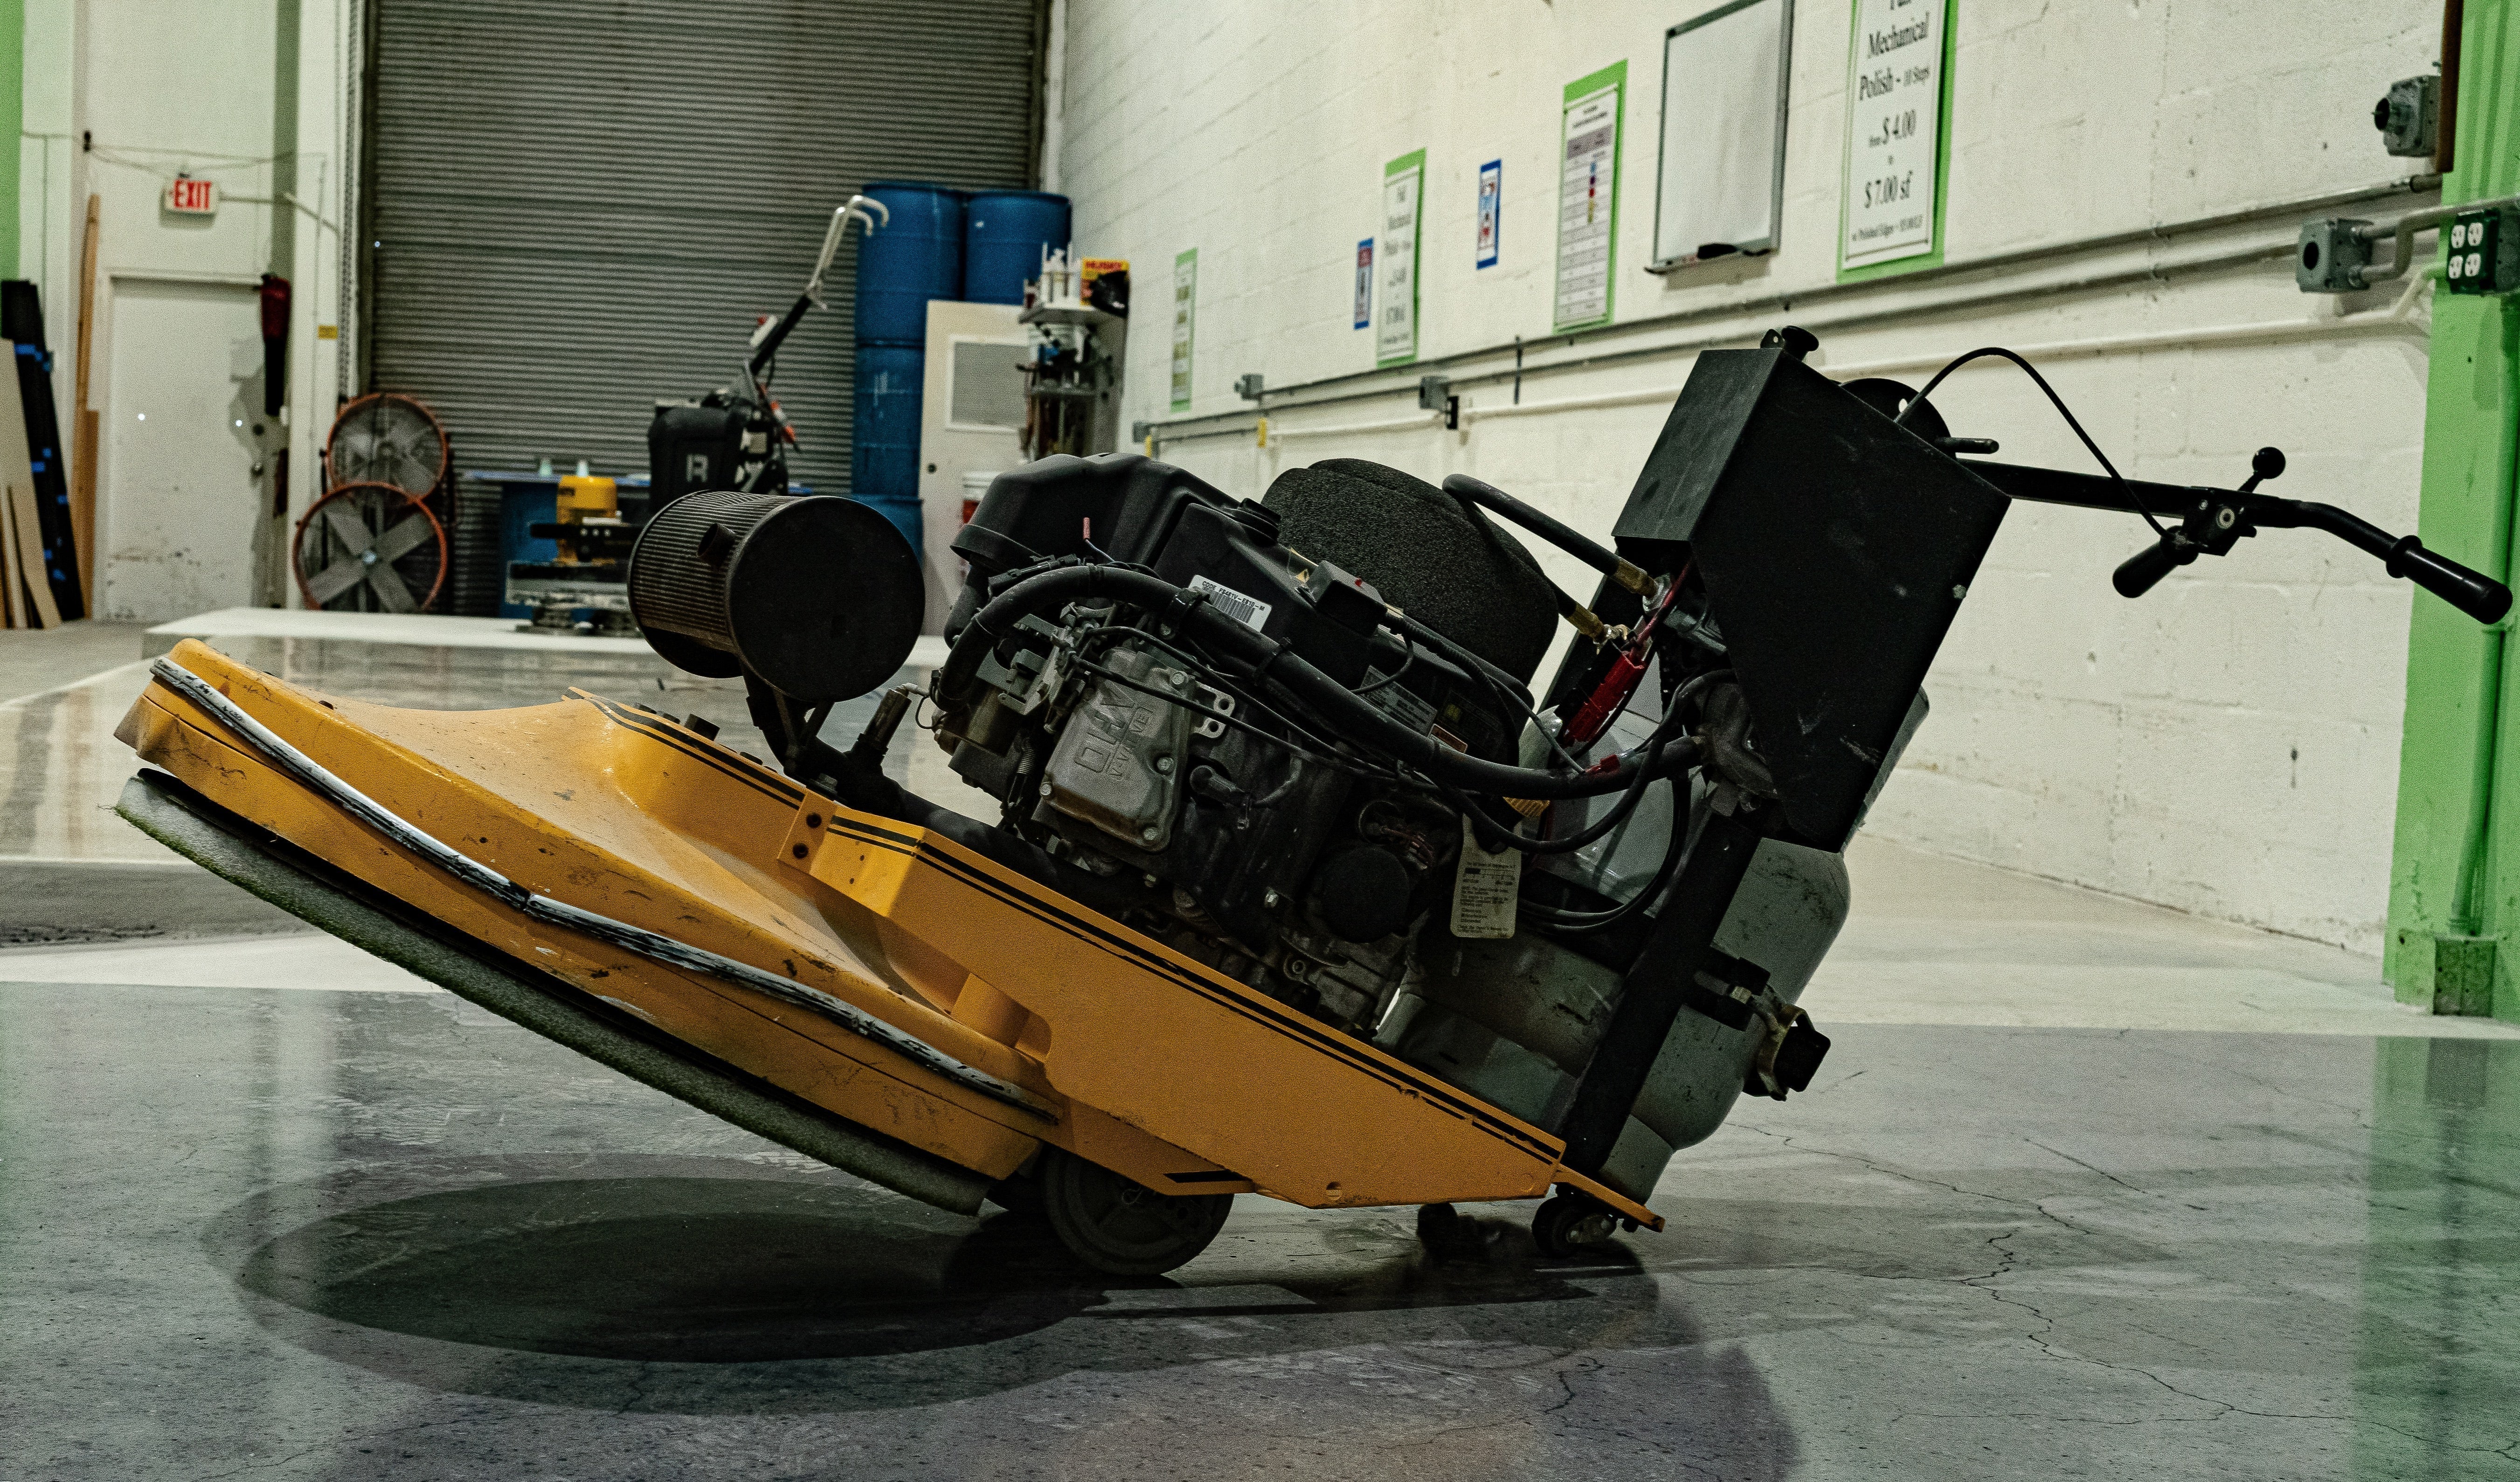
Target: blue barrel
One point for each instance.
(904, 515)
(915, 257)
(883, 458)
(1002, 241)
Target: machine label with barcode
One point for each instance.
(1249, 611)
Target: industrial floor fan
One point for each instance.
(369, 547)
(387, 437)
(376, 541)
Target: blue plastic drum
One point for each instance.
(916, 256)
(883, 459)
(904, 515)
(1003, 238)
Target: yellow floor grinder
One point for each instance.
(1297, 887)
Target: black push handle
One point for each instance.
(2215, 518)
(2143, 570)
(2473, 593)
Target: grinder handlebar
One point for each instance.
(2210, 522)
(2472, 592)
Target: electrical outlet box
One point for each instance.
(2408, 116)
(2483, 252)
(2331, 257)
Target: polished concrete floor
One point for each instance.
(31, 662)
(2085, 1189)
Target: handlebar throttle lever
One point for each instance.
(2143, 570)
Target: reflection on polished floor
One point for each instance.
(74, 870)
(65, 767)
(2086, 1189)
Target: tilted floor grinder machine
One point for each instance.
(1297, 888)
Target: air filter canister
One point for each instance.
(818, 598)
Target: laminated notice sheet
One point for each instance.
(1588, 198)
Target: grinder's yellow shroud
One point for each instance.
(1135, 1057)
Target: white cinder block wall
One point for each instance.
(2228, 745)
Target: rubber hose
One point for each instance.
(1591, 553)
(1512, 830)
(1728, 751)
(1619, 812)
(1496, 677)
(1265, 658)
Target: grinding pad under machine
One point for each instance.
(1296, 887)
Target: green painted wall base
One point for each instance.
(2444, 974)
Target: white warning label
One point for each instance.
(1485, 888)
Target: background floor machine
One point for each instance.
(1296, 887)
(739, 439)
(726, 439)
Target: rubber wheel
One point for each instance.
(1447, 1236)
(1569, 1223)
(1018, 1195)
(1120, 1226)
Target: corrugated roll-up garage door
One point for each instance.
(579, 206)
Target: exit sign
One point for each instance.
(193, 197)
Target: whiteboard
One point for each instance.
(1723, 132)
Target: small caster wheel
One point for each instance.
(1568, 1223)
(1120, 1226)
(1439, 1228)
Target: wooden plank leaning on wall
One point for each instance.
(30, 553)
(16, 606)
(37, 608)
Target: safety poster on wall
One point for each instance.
(1185, 298)
(1491, 211)
(1395, 256)
(1587, 197)
(1365, 284)
(1893, 130)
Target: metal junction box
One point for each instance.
(2330, 259)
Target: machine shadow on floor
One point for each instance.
(752, 1293)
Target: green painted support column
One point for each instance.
(2454, 884)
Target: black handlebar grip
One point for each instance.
(2473, 593)
(2143, 570)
